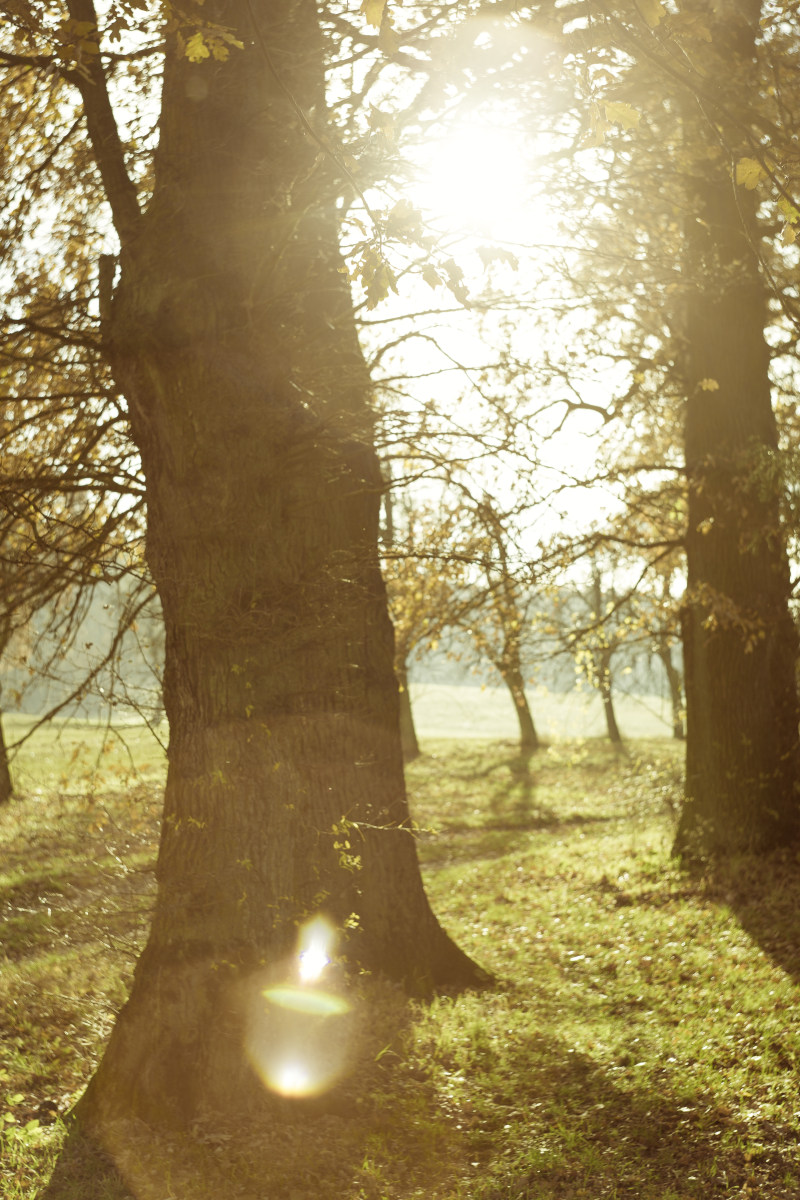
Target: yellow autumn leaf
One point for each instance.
(373, 11)
(619, 113)
(788, 235)
(789, 211)
(749, 173)
(196, 48)
(430, 276)
(388, 39)
(709, 385)
(652, 11)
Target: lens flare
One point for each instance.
(298, 1033)
(314, 952)
(303, 1000)
(292, 1079)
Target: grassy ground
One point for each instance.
(643, 1039)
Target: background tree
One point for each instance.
(426, 567)
(499, 619)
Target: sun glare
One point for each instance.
(314, 951)
(298, 1032)
(476, 180)
(293, 1079)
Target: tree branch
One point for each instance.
(90, 81)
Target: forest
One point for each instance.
(344, 343)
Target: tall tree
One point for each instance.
(685, 268)
(740, 643)
(231, 335)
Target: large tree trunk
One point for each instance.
(740, 644)
(232, 337)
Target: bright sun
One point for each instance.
(476, 180)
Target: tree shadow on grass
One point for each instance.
(537, 1120)
(336, 1146)
(589, 1134)
(764, 893)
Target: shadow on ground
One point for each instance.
(338, 1146)
(592, 1132)
(764, 893)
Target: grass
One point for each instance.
(643, 1039)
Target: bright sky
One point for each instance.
(477, 186)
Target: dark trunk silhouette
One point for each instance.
(6, 784)
(740, 644)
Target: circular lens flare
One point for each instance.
(298, 1033)
(293, 1079)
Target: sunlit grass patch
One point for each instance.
(642, 1039)
(75, 757)
(76, 884)
(641, 1043)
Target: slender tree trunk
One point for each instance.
(6, 784)
(232, 337)
(515, 682)
(740, 644)
(408, 732)
(606, 694)
(664, 653)
(510, 667)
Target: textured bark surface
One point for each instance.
(740, 644)
(232, 337)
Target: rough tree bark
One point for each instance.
(740, 645)
(231, 335)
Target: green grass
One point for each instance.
(642, 1041)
